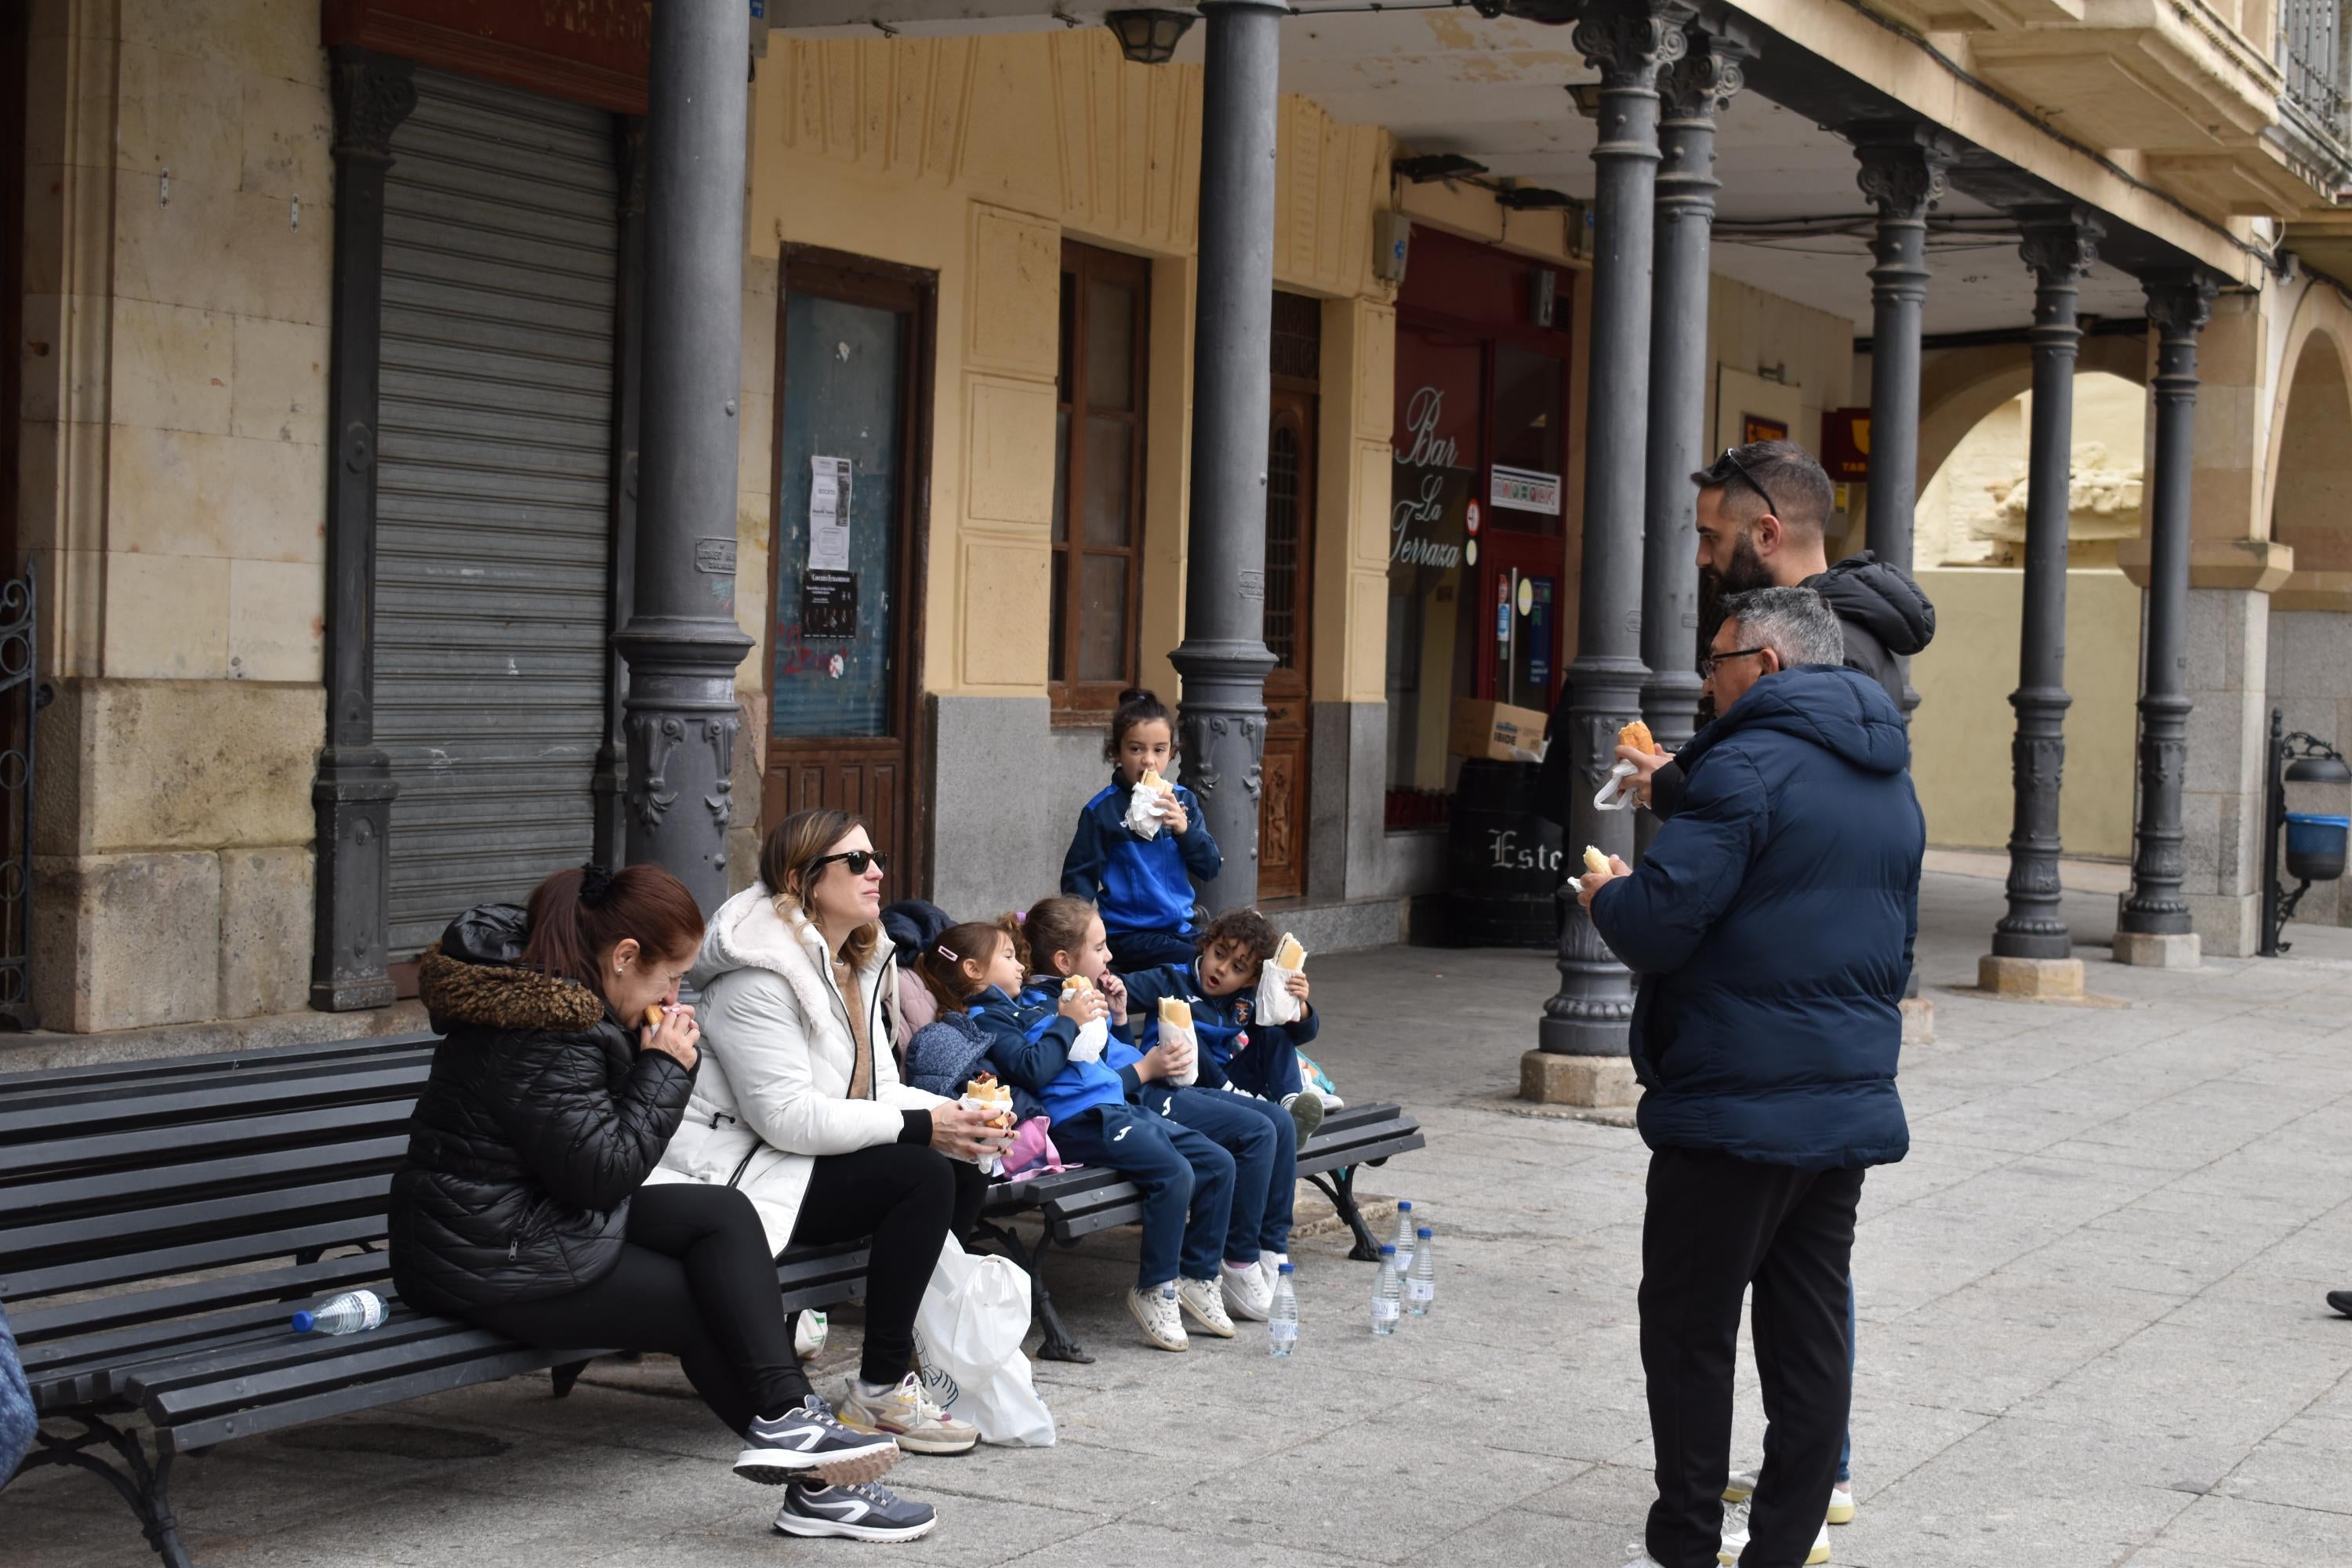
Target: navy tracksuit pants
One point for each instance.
(1264, 1143)
(1187, 1183)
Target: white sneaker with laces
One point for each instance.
(1247, 1295)
(1155, 1312)
(1735, 1539)
(1269, 1268)
(905, 1413)
(1204, 1302)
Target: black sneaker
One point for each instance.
(808, 1442)
(853, 1512)
(2341, 1300)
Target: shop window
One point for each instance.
(1433, 650)
(1098, 478)
(1530, 447)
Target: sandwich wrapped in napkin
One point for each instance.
(984, 1093)
(1275, 1004)
(1147, 804)
(1611, 797)
(1094, 1035)
(1176, 1021)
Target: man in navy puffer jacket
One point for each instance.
(1771, 925)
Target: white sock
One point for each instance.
(1233, 1268)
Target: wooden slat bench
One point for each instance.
(158, 1223)
(1076, 1204)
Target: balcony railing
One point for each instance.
(2312, 58)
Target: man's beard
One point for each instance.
(1746, 571)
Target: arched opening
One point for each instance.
(2311, 495)
(1968, 554)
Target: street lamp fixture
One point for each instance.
(1431, 166)
(2314, 842)
(1587, 97)
(1533, 198)
(1147, 38)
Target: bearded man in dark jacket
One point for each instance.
(1771, 923)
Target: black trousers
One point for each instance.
(908, 1197)
(695, 1281)
(1716, 1225)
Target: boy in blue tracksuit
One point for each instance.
(1187, 1182)
(1142, 886)
(1221, 984)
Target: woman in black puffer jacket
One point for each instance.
(521, 1205)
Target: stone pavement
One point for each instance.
(2092, 1333)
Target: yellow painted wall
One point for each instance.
(1961, 735)
(974, 158)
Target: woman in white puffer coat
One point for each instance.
(800, 1105)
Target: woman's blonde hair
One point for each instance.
(790, 854)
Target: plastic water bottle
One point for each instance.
(1385, 1293)
(351, 1312)
(1282, 1317)
(1421, 1286)
(1404, 1238)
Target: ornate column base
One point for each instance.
(1221, 745)
(2031, 979)
(1596, 1083)
(2161, 950)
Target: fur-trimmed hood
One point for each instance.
(474, 977)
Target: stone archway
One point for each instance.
(1958, 387)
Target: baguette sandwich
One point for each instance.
(1289, 955)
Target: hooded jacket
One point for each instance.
(1226, 1027)
(777, 1058)
(1884, 614)
(1771, 923)
(540, 1119)
(1029, 1042)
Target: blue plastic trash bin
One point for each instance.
(2315, 846)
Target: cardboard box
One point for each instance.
(1497, 730)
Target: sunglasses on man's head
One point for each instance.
(1731, 456)
(856, 860)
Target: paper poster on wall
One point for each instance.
(828, 605)
(1523, 489)
(828, 514)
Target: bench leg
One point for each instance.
(1057, 1344)
(1341, 1189)
(561, 1378)
(146, 1488)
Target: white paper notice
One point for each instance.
(828, 514)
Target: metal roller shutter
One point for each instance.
(493, 492)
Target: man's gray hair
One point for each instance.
(1797, 624)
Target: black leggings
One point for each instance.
(907, 1197)
(695, 1281)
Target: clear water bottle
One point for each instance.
(1421, 1284)
(1405, 1240)
(351, 1312)
(1282, 1317)
(1386, 1293)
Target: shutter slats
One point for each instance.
(493, 492)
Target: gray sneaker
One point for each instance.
(853, 1512)
(808, 1441)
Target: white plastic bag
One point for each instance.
(1610, 797)
(968, 1334)
(1145, 806)
(1275, 1004)
(990, 1164)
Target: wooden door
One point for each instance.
(1289, 595)
(852, 353)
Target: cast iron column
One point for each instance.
(1224, 660)
(2059, 246)
(1626, 41)
(352, 795)
(681, 642)
(1902, 165)
(2178, 306)
(1691, 92)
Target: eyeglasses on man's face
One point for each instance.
(1706, 666)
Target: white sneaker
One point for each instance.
(1735, 1539)
(1247, 1295)
(1204, 1302)
(1742, 1486)
(904, 1413)
(1155, 1313)
(1269, 1268)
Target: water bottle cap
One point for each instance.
(1285, 1268)
(1423, 1233)
(1404, 1208)
(305, 1322)
(1387, 1250)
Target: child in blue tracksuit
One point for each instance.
(1187, 1182)
(1142, 886)
(1221, 984)
(1065, 938)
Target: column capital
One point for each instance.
(372, 94)
(1902, 164)
(1627, 41)
(2180, 304)
(1701, 83)
(2059, 243)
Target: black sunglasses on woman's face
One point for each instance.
(856, 860)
